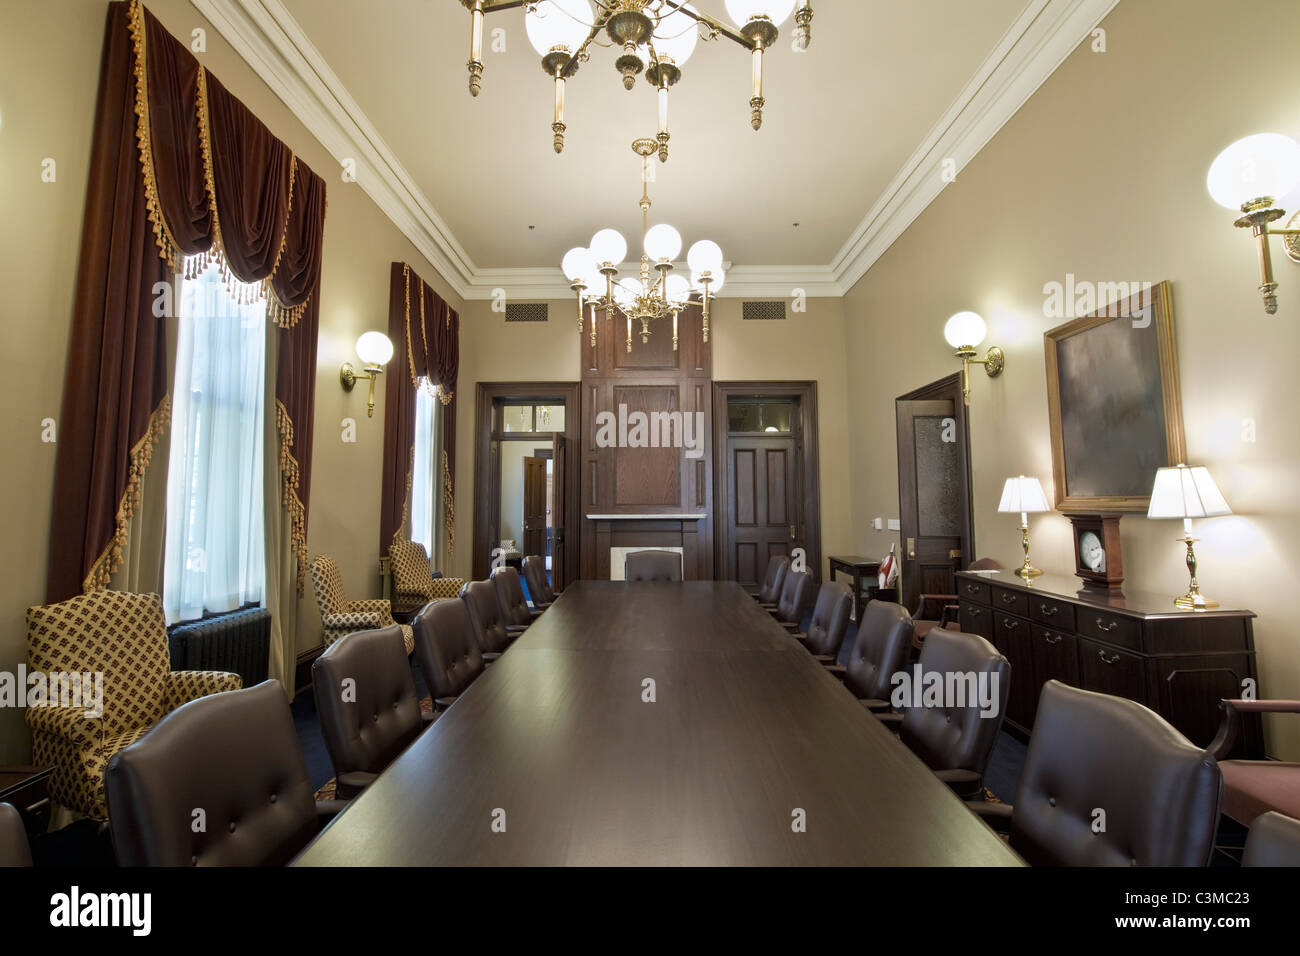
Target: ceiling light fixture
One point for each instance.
(656, 37)
(645, 298)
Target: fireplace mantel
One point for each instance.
(616, 534)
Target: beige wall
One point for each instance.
(1102, 174)
(49, 69)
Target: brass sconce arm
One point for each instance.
(994, 361)
(348, 377)
(1256, 217)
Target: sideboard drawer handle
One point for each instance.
(1008, 599)
(1107, 626)
(1010, 624)
(1048, 611)
(1108, 660)
(972, 589)
(1052, 638)
(973, 611)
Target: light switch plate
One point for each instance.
(894, 525)
(878, 524)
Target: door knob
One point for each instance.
(911, 549)
(791, 532)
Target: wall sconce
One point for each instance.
(1250, 176)
(375, 350)
(964, 332)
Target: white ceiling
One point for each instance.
(854, 129)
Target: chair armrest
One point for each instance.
(964, 783)
(185, 686)
(381, 606)
(68, 723)
(792, 626)
(442, 703)
(824, 659)
(348, 785)
(876, 706)
(356, 620)
(327, 810)
(926, 602)
(891, 720)
(951, 613)
(996, 815)
(1230, 724)
(838, 671)
(490, 657)
(428, 718)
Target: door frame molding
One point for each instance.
(806, 450)
(946, 387)
(487, 487)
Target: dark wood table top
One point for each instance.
(745, 728)
(855, 561)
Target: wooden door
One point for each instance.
(762, 505)
(558, 484)
(534, 506)
(933, 489)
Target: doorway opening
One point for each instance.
(934, 489)
(768, 504)
(523, 432)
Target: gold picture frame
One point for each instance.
(1112, 389)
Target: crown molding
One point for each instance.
(267, 37)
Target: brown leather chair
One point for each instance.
(447, 650)
(14, 848)
(1274, 841)
(1253, 787)
(230, 762)
(1092, 752)
(510, 595)
(770, 592)
(940, 610)
(830, 622)
(490, 628)
(879, 652)
(956, 737)
(796, 595)
(539, 588)
(369, 710)
(652, 566)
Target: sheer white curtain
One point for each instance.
(426, 470)
(216, 550)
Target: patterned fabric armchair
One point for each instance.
(122, 636)
(339, 617)
(413, 584)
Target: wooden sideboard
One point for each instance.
(1178, 663)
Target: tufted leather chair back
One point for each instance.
(956, 734)
(366, 699)
(1091, 752)
(485, 614)
(510, 595)
(14, 848)
(445, 645)
(232, 756)
(830, 619)
(777, 566)
(880, 651)
(653, 566)
(535, 575)
(1274, 841)
(796, 595)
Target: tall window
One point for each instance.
(216, 553)
(426, 469)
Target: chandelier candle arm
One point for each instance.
(475, 64)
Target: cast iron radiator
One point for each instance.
(238, 641)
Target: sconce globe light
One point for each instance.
(964, 331)
(375, 350)
(558, 24)
(1251, 175)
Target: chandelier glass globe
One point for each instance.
(558, 23)
(742, 11)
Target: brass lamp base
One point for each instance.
(1027, 570)
(1193, 600)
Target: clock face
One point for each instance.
(1091, 554)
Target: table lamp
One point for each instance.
(1187, 493)
(1026, 496)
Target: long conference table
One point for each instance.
(558, 755)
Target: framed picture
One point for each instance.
(1113, 403)
(1098, 557)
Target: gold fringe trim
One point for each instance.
(168, 250)
(289, 474)
(448, 506)
(410, 355)
(406, 502)
(110, 559)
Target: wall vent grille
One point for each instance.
(762, 311)
(526, 311)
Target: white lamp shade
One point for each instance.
(716, 279)
(1182, 492)
(678, 289)
(676, 35)
(965, 330)
(1023, 495)
(663, 243)
(374, 348)
(1266, 164)
(608, 245)
(578, 263)
(742, 11)
(705, 256)
(558, 23)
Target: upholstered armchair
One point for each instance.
(339, 617)
(413, 584)
(122, 636)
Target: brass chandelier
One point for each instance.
(655, 37)
(655, 293)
